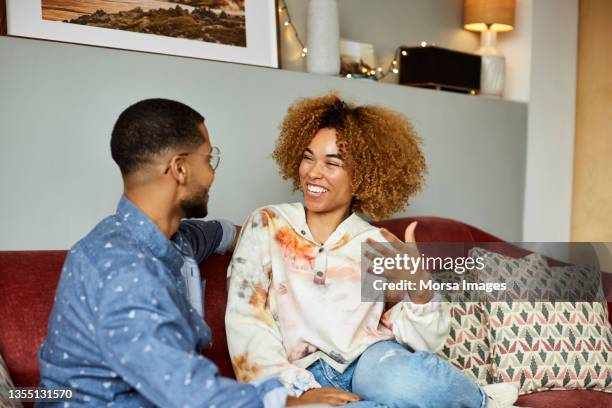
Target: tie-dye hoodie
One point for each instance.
(292, 301)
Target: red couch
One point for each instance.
(28, 280)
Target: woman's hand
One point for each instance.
(396, 275)
(325, 395)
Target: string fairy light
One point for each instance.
(378, 73)
(392, 68)
(283, 12)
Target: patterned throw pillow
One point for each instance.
(544, 345)
(521, 275)
(5, 385)
(548, 345)
(467, 345)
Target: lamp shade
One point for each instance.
(494, 15)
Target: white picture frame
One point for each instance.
(25, 19)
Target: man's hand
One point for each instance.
(325, 395)
(397, 247)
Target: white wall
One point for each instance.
(516, 47)
(541, 60)
(58, 103)
(551, 123)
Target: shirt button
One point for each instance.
(303, 232)
(321, 249)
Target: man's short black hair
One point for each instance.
(149, 127)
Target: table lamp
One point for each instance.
(490, 17)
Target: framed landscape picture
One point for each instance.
(242, 31)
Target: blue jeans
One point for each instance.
(388, 375)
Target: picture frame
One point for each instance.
(2, 17)
(239, 31)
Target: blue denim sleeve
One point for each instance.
(203, 236)
(148, 341)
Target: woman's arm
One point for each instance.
(421, 326)
(420, 320)
(254, 339)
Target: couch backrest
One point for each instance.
(436, 229)
(28, 280)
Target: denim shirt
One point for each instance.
(125, 329)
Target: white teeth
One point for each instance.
(316, 189)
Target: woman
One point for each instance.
(294, 303)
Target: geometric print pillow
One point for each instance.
(579, 283)
(467, 345)
(522, 276)
(531, 278)
(547, 345)
(551, 346)
(5, 385)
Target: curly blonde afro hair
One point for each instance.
(378, 144)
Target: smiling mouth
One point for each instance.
(315, 190)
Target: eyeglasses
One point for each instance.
(214, 158)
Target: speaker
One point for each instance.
(440, 68)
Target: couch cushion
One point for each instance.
(214, 270)
(27, 286)
(566, 399)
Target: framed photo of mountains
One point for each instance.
(241, 31)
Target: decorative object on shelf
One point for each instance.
(323, 27)
(218, 31)
(490, 17)
(357, 59)
(287, 23)
(439, 68)
(379, 73)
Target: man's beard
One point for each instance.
(196, 206)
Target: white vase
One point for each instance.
(493, 69)
(323, 31)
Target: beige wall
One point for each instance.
(592, 197)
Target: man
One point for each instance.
(127, 325)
